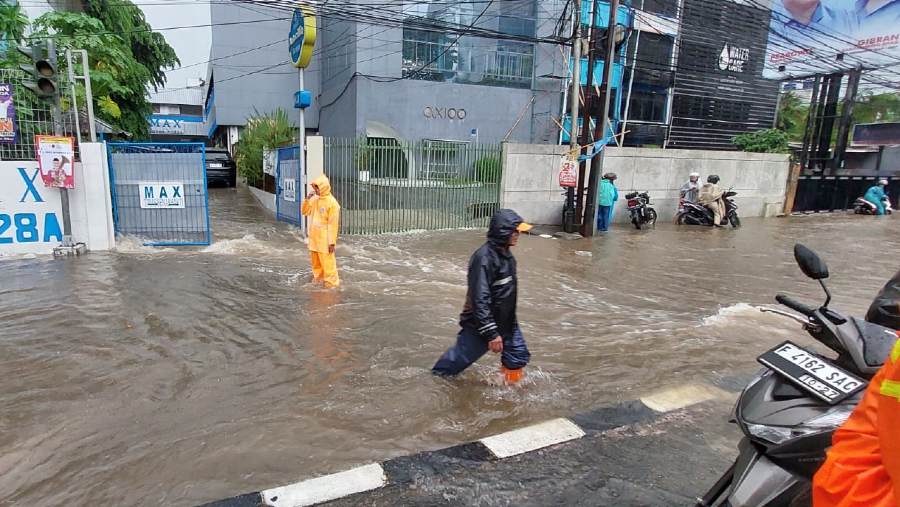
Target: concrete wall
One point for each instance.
(529, 183)
(89, 203)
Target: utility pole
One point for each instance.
(588, 107)
(569, 213)
(590, 211)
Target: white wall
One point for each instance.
(89, 203)
(529, 183)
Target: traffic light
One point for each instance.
(41, 71)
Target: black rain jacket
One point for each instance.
(490, 308)
(885, 310)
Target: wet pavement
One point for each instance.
(180, 376)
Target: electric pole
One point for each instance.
(588, 108)
(590, 211)
(569, 214)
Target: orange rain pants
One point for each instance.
(863, 465)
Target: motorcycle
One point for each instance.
(864, 207)
(692, 213)
(789, 412)
(641, 211)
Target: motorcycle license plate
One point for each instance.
(812, 373)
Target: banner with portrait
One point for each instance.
(56, 159)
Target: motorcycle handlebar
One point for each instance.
(795, 305)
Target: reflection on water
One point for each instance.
(181, 376)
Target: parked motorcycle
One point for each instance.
(641, 212)
(789, 412)
(864, 207)
(696, 214)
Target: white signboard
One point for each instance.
(290, 190)
(161, 194)
(269, 162)
(30, 214)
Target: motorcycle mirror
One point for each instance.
(810, 263)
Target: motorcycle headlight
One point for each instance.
(828, 421)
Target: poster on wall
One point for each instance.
(290, 190)
(830, 35)
(568, 172)
(7, 115)
(56, 158)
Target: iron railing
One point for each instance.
(464, 63)
(32, 117)
(385, 185)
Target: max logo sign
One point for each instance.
(166, 126)
(161, 194)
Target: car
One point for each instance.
(220, 168)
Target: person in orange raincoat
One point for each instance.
(863, 465)
(325, 215)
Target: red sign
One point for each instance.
(568, 173)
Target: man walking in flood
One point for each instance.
(488, 319)
(325, 215)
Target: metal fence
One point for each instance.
(831, 193)
(159, 192)
(29, 116)
(386, 185)
(289, 186)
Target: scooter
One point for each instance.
(641, 211)
(790, 410)
(864, 207)
(696, 214)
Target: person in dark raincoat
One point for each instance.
(488, 320)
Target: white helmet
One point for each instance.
(883, 181)
(694, 175)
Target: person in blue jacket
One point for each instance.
(876, 195)
(488, 319)
(609, 194)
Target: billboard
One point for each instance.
(807, 37)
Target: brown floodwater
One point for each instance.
(163, 376)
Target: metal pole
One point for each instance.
(569, 214)
(807, 130)
(88, 94)
(58, 131)
(590, 212)
(840, 149)
(71, 70)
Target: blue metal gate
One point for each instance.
(289, 184)
(159, 192)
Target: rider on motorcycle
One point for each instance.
(711, 196)
(690, 191)
(876, 195)
(863, 465)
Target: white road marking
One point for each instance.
(326, 488)
(683, 396)
(530, 438)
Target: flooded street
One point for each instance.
(162, 376)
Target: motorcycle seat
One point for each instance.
(878, 341)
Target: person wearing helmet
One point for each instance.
(876, 195)
(690, 191)
(711, 197)
(862, 468)
(488, 320)
(606, 201)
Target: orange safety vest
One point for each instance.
(863, 465)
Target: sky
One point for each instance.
(191, 44)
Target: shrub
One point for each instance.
(763, 141)
(266, 131)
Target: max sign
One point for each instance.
(166, 126)
(161, 195)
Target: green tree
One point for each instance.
(263, 131)
(13, 23)
(792, 116)
(763, 141)
(126, 60)
(882, 107)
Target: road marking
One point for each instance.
(326, 488)
(683, 396)
(531, 438)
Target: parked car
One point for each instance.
(220, 167)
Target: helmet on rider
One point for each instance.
(694, 176)
(712, 178)
(883, 181)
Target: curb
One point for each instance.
(401, 470)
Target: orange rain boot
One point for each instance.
(512, 376)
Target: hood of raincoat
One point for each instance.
(323, 184)
(503, 224)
